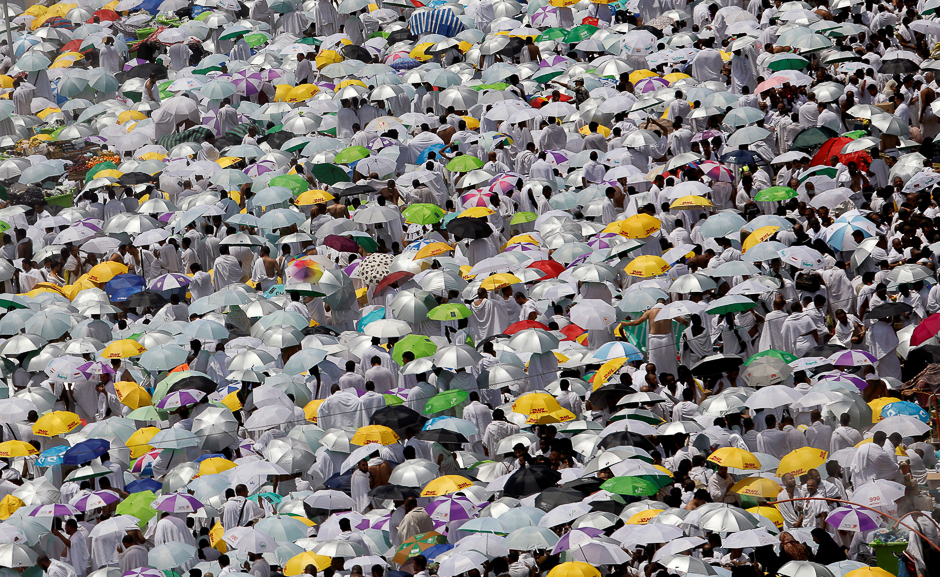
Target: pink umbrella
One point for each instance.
(476, 198)
(554, 60)
(772, 82)
(716, 171)
(707, 135)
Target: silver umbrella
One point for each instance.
(217, 428)
(413, 305)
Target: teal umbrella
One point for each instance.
(72, 85)
(171, 555)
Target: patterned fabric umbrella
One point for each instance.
(177, 503)
(181, 398)
(54, 510)
(374, 268)
(259, 168)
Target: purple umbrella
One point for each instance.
(259, 168)
(556, 60)
(602, 241)
(95, 368)
(248, 83)
(169, 282)
(853, 358)
(341, 243)
(144, 572)
(54, 510)
(851, 518)
(96, 500)
(177, 503)
(556, 156)
(180, 398)
(135, 62)
(382, 142)
(859, 383)
(651, 84)
(575, 537)
(451, 508)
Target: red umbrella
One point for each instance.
(523, 325)
(392, 278)
(76, 46)
(830, 148)
(341, 243)
(105, 15)
(572, 331)
(929, 327)
(551, 268)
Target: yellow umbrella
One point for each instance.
(138, 443)
(310, 410)
(638, 75)
(327, 57)
(313, 197)
(735, 458)
(800, 461)
(433, 249)
(498, 281)
(606, 371)
(46, 112)
(602, 130)
(123, 349)
(299, 562)
(302, 92)
(759, 236)
(215, 537)
(109, 173)
(6, 81)
(562, 415)
(574, 569)
(769, 512)
(231, 402)
(418, 52)
(675, 77)
(132, 394)
(374, 434)
(647, 266)
(11, 449)
(879, 404)
(521, 238)
(472, 123)
(214, 465)
(130, 115)
(63, 62)
(562, 3)
(446, 485)
(59, 10)
(9, 505)
(477, 212)
(281, 91)
(42, 138)
(869, 572)
(561, 358)
(226, 161)
(691, 202)
(639, 226)
(757, 487)
(56, 423)
(350, 82)
(152, 156)
(105, 271)
(643, 517)
(36, 10)
(536, 404)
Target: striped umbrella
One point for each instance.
(96, 500)
(248, 83)
(177, 503)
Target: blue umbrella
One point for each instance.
(431, 552)
(85, 451)
(740, 157)
(141, 485)
(122, 283)
(52, 456)
(423, 157)
(375, 315)
(906, 408)
(209, 456)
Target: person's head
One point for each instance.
(344, 524)
(789, 481)
(363, 465)
(812, 485)
(420, 562)
(879, 438)
(241, 490)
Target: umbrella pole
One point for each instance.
(896, 520)
(6, 18)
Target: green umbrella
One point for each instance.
(523, 217)
(90, 175)
(449, 312)
(423, 213)
(788, 62)
(494, 86)
(855, 134)
(365, 241)
(775, 193)
(579, 33)
(552, 34)
(819, 171)
(420, 345)
(464, 163)
(138, 505)
(329, 173)
(782, 355)
(630, 486)
(352, 154)
(313, 41)
(812, 137)
(446, 400)
(294, 182)
(392, 400)
(257, 39)
(546, 74)
(148, 413)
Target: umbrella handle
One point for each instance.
(895, 519)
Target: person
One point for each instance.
(360, 484)
(660, 343)
(133, 555)
(827, 550)
(76, 546)
(55, 568)
(238, 510)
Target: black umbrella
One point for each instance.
(514, 46)
(531, 480)
(586, 485)
(824, 351)
(812, 137)
(441, 436)
(898, 66)
(740, 157)
(888, 310)
(399, 36)
(555, 496)
(397, 418)
(394, 492)
(198, 382)
(614, 507)
(918, 360)
(716, 365)
(132, 178)
(320, 330)
(277, 139)
(466, 227)
(145, 299)
(355, 52)
(357, 189)
(145, 70)
(652, 30)
(626, 439)
(608, 395)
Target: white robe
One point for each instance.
(489, 318)
(226, 272)
(359, 490)
(883, 343)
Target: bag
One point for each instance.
(808, 283)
